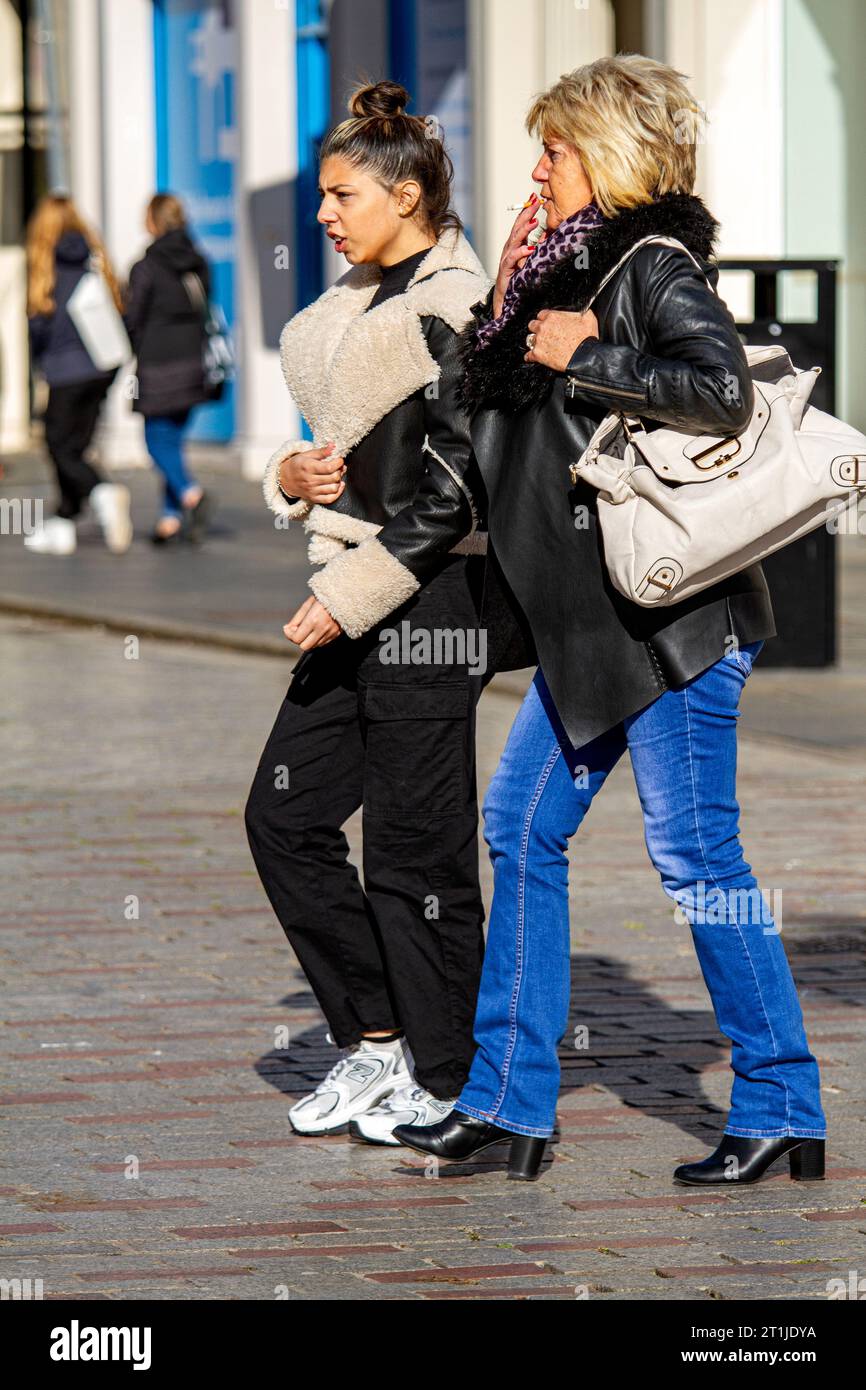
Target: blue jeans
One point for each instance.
(163, 435)
(683, 749)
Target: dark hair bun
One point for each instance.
(383, 99)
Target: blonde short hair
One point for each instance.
(633, 122)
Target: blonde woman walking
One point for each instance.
(61, 248)
(541, 370)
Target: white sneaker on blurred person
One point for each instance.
(110, 503)
(411, 1105)
(365, 1075)
(56, 536)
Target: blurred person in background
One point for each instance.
(61, 249)
(166, 301)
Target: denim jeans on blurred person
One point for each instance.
(163, 435)
(683, 749)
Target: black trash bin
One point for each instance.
(802, 575)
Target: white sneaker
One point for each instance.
(56, 536)
(411, 1105)
(110, 503)
(362, 1077)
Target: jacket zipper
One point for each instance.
(574, 381)
(659, 674)
(458, 480)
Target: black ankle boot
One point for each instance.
(460, 1136)
(738, 1159)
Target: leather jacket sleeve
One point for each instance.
(443, 509)
(482, 310)
(697, 376)
(362, 586)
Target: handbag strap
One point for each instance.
(195, 290)
(644, 241)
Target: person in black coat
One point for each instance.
(166, 303)
(61, 250)
(541, 369)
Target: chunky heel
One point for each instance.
(525, 1158)
(807, 1161)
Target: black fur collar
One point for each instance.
(497, 374)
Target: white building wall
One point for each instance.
(517, 48)
(825, 192)
(14, 384)
(129, 177)
(85, 107)
(731, 54)
(113, 162)
(267, 168)
(14, 355)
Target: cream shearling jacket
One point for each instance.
(383, 386)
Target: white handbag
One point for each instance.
(99, 325)
(679, 512)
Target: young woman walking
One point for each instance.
(380, 714)
(620, 138)
(61, 248)
(166, 294)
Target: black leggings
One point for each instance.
(70, 420)
(405, 951)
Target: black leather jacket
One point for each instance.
(668, 351)
(413, 473)
(392, 378)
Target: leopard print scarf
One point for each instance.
(560, 243)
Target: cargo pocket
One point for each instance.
(417, 749)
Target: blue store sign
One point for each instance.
(195, 53)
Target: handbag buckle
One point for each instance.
(723, 458)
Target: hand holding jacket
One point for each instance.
(557, 334)
(316, 475)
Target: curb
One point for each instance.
(223, 639)
(142, 626)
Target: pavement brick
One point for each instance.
(139, 1051)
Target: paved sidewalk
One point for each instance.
(157, 1029)
(151, 1058)
(237, 590)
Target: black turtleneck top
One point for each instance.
(394, 280)
(396, 277)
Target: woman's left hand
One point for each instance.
(558, 335)
(312, 626)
